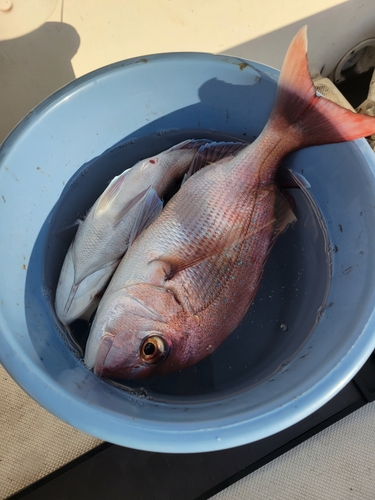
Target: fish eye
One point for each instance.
(154, 349)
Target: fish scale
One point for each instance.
(212, 276)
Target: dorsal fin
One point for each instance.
(213, 152)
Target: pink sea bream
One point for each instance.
(188, 280)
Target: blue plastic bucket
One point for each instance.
(295, 371)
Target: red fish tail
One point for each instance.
(311, 119)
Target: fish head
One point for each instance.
(134, 335)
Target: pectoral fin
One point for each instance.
(215, 270)
(150, 207)
(128, 206)
(108, 196)
(232, 237)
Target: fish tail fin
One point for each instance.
(310, 118)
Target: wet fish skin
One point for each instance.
(103, 237)
(189, 279)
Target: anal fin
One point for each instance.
(284, 212)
